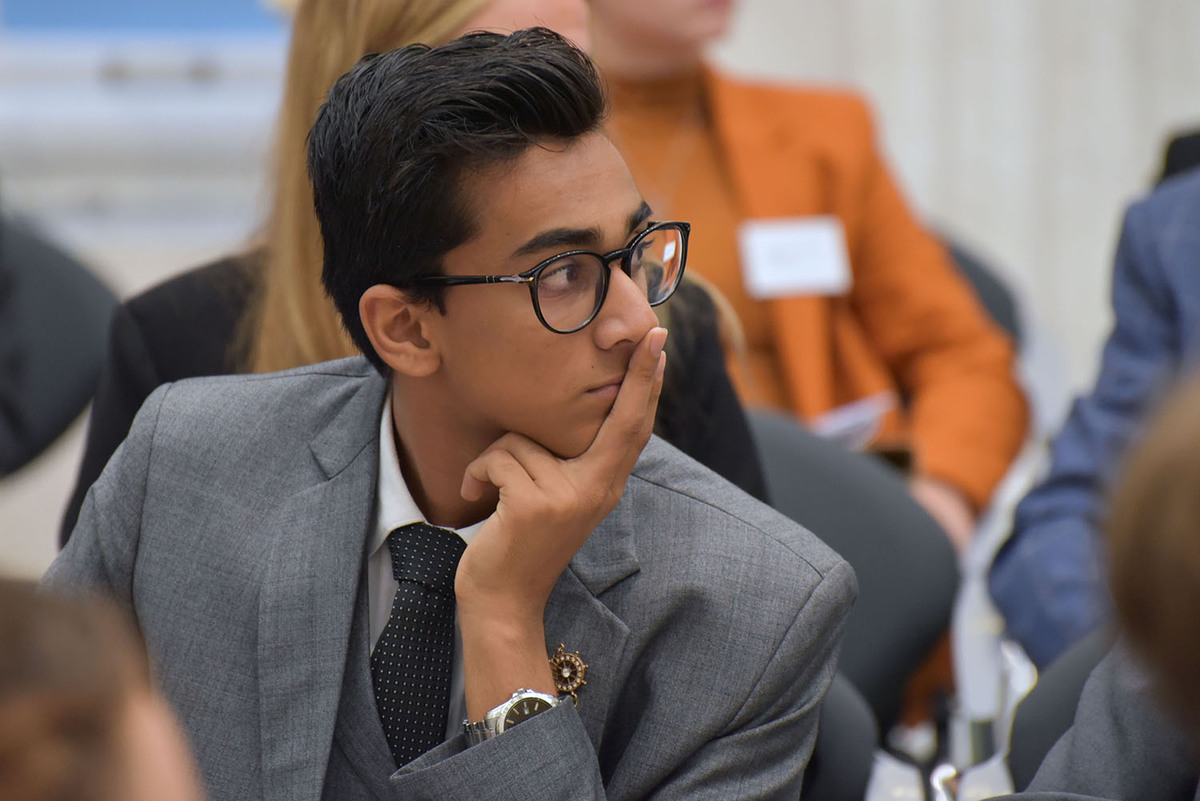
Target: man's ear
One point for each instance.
(398, 329)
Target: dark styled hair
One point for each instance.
(398, 133)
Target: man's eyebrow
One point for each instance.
(583, 238)
(640, 216)
(563, 239)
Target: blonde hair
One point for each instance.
(290, 322)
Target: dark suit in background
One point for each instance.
(1183, 154)
(53, 314)
(11, 369)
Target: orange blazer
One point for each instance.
(910, 323)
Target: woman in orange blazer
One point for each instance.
(903, 347)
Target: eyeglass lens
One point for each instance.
(570, 290)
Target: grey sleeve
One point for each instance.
(103, 548)
(1122, 746)
(761, 754)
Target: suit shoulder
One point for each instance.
(721, 518)
(259, 407)
(339, 375)
(1174, 204)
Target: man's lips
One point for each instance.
(610, 387)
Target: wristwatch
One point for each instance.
(523, 705)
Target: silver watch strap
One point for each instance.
(491, 725)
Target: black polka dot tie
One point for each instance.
(414, 657)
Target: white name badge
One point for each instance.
(794, 256)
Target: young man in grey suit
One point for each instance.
(275, 534)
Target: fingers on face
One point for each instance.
(537, 487)
(515, 460)
(496, 467)
(656, 389)
(536, 463)
(627, 428)
(543, 467)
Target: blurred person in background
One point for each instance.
(1137, 728)
(79, 720)
(53, 316)
(11, 370)
(1049, 578)
(264, 310)
(1181, 154)
(855, 319)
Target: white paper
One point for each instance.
(856, 423)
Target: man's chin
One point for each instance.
(573, 445)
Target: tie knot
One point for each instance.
(425, 555)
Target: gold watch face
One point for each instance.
(523, 709)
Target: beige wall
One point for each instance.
(1022, 126)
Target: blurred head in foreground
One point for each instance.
(1154, 541)
(79, 720)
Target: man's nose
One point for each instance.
(626, 315)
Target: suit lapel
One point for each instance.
(577, 618)
(306, 606)
(310, 588)
(774, 177)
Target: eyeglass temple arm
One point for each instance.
(463, 280)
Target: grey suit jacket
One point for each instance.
(233, 523)
(1122, 745)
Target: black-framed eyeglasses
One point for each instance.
(569, 289)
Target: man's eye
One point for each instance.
(644, 249)
(644, 245)
(562, 276)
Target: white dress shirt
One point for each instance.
(395, 508)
